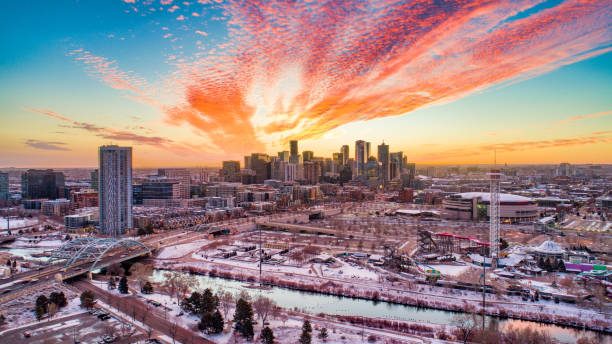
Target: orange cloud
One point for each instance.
(115, 135)
(358, 61)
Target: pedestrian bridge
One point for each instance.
(91, 249)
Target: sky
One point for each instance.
(192, 83)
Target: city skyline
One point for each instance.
(195, 83)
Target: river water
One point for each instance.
(315, 303)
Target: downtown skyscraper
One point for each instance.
(115, 189)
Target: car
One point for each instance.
(103, 317)
(108, 339)
(27, 334)
(153, 341)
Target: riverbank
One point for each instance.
(546, 314)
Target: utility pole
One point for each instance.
(260, 259)
(484, 284)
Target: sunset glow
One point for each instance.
(193, 83)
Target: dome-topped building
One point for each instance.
(548, 249)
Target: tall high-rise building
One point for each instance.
(283, 156)
(384, 160)
(396, 164)
(345, 154)
(293, 147)
(368, 152)
(307, 155)
(231, 171)
(115, 189)
(312, 172)
(4, 186)
(42, 184)
(94, 179)
(247, 162)
(260, 163)
(182, 175)
(360, 158)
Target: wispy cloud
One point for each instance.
(575, 118)
(46, 145)
(108, 71)
(296, 70)
(456, 153)
(115, 135)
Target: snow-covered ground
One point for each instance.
(17, 223)
(450, 270)
(20, 311)
(177, 251)
(340, 270)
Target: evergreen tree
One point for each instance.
(267, 336)
(209, 302)
(147, 288)
(217, 322)
(243, 319)
(205, 323)
(42, 304)
(504, 244)
(87, 299)
(191, 304)
(305, 338)
(2, 319)
(306, 326)
(541, 264)
(547, 265)
(123, 285)
(561, 265)
(323, 334)
(8, 263)
(59, 299)
(112, 284)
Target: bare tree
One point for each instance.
(173, 330)
(263, 306)
(141, 273)
(170, 284)
(149, 331)
(520, 335)
(52, 309)
(184, 283)
(226, 301)
(467, 326)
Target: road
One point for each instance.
(133, 307)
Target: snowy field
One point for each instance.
(20, 311)
(451, 270)
(17, 223)
(178, 251)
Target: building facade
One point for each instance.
(360, 158)
(4, 186)
(231, 171)
(115, 189)
(385, 163)
(42, 184)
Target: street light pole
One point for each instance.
(484, 271)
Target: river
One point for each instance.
(315, 303)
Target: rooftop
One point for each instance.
(503, 197)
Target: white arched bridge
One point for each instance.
(101, 251)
